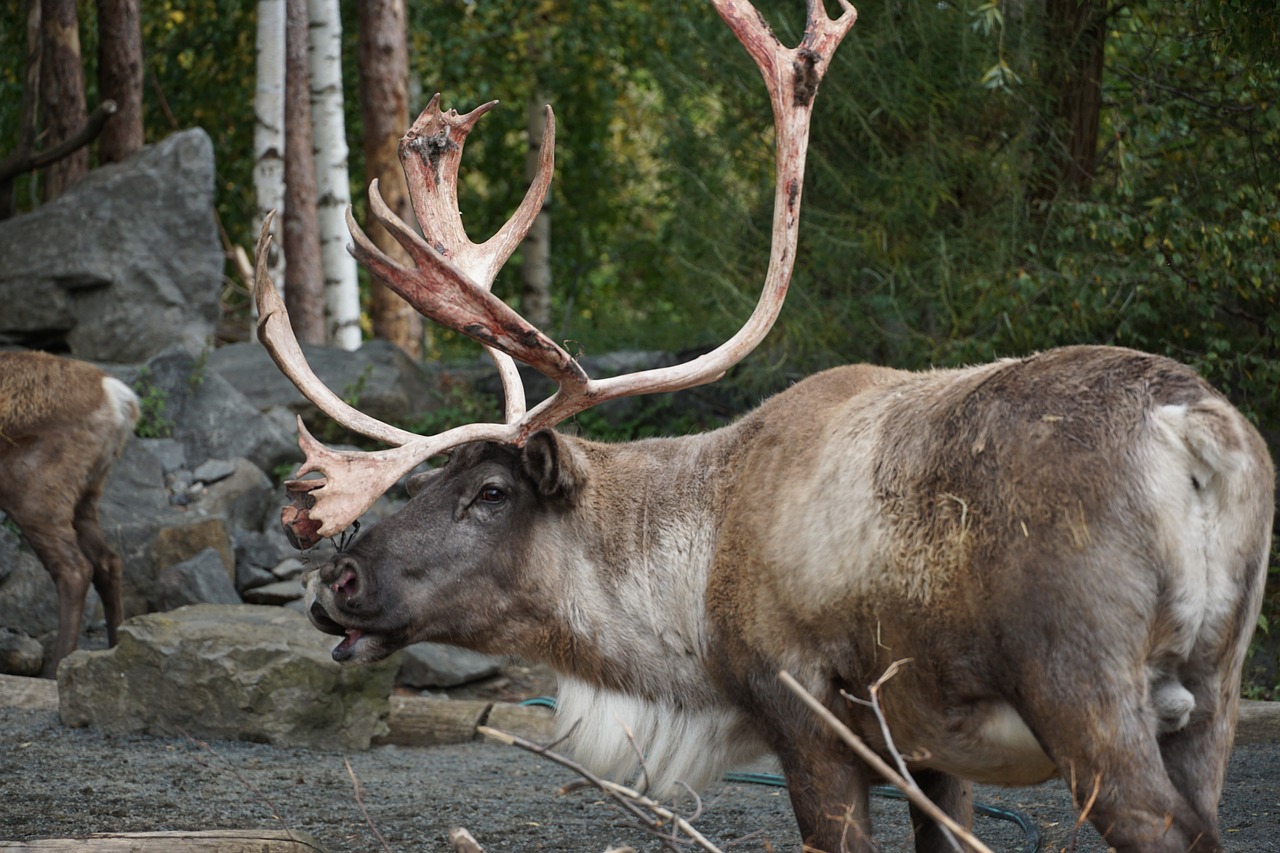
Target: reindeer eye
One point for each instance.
(492, 495)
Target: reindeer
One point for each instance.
(1063, 554)
(62, 424)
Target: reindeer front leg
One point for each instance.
(830, 793)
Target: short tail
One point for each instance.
(124, 402)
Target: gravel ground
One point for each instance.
(57, 782)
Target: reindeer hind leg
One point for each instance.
(107, 566)
(53, 540)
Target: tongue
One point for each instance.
(346, 648)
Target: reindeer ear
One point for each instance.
(554, 464)
(418, 482)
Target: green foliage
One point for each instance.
(456, 403)
(153, 403)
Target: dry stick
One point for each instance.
(249, 786)
(879, 765)
(355, 783)
(633, 801)
(874, 705)
(1088, 806)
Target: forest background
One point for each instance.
(986, 177)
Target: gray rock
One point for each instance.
(135, 489)
(260, 551)
(200, 580)
(277, 593)
(242, 672)
(28, 598)
(288, 568)
(428, 665)
(241, 497)
(213, 470)
(249, 576)
(385, 382)
(124, 264)
(210, 417)
(20, 654)
(167, 451)
(149, 548)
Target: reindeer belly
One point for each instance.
(990, 744)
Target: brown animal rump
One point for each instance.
(62, 424)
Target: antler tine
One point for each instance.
(353, 480)
(277, 336)
(438, 289)
(431, 152)
(792, 76)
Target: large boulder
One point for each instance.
(124, 264)
(383, 381)
(203, 579)
(236, 672)
(183, 397)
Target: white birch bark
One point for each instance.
(333, 185)
(268, 132)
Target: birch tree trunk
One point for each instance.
(62, 92)
(535, 251)
(333, 183)
(268, 130)
(304, 276)
(384, 109)
(120, 77)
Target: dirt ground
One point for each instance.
(57, 782)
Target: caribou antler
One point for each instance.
(451, 277)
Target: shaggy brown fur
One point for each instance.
(62, 424)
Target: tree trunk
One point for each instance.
(62, 93)
(535, 251)
(268, 128)
(1075, 32)
(384, 110)
(333, 182)
(120, 77)
(27, 115)
(304, 277)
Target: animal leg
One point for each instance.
(1112, 760)
(949, 793)
(54, 542)
(107, 567)
(830, 794)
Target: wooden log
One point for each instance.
(419, 721)
(423, 721)
(530, 722)
(32, 694)
(206, 841)
(1259, 722)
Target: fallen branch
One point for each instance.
(248, 786)
(355, 783)
(909, 789)
(638, 805)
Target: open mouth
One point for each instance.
(351, 637)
